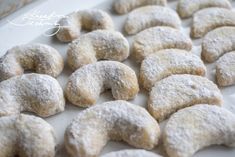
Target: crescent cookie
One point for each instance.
(69, 27)
(158, 38)
(114, 120)
(218, 42)
(97, 45)
(131, 153)
(197, 127)
(164, 63)
(225, 69)
(186, 8)
(26, 136)
(179, 91)
(125, 6)
(37, 93)
(150, 16)
(39, 57)
(209, 19)
(85, 84)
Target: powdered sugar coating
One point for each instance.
(179, 91)
(131, 153)
(167, 62)
(125, 6)
(158, 38)
(197, 127)
(26, 136)
(96, 45)
(114, 120)
(150, 16)
(225, 69)
(37, 93)
(186, 8)
(39, 57)
(218, 42)
(86, 84)
(209, 19)
(91, 19)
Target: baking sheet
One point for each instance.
(61, 121)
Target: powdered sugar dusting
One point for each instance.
(225, 69)
(39, 57)
(86, 84)
(24, 134)
(218, 42)
(36, 93)
(179, 91)
(194, 128)
(210, 18)
(96, 45)
(150, 16)
(158, 38)
(91, 19)
(187, 8)
(115, 120)
(167, 62)
(124, 6)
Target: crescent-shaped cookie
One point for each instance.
(97, 45)
(131, 153)
(26, 136)
(125, 6)
(209, 19)
(225, 69)
(150, 16)
(39, 57)
(218, 42)
(37, 93)
(164, 63)
(158, 38)
(197, 127)
(85, 84)
(179, 91)
(118, 120)
(69, 27)
(186, 8)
